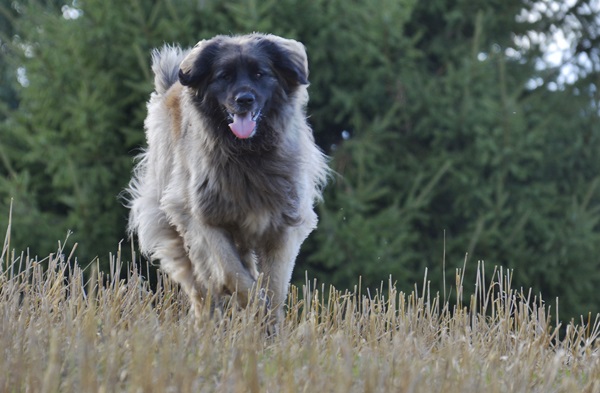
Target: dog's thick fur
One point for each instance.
(217, 208)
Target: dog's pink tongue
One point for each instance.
(243, 125)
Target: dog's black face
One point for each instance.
(241, 86)
(244, 86)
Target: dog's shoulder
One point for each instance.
(173, 105)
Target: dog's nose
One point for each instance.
(245, 98)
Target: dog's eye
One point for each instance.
(258, 75)
(224, 76)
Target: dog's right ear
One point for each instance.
(196, 66)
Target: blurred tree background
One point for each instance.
(455, 127)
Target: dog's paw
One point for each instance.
(264, 299)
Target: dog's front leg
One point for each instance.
(176, 263)
(217, 263)
(277, 263)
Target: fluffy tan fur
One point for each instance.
(223, 250)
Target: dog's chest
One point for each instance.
(254, 198)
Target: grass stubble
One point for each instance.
(60, 332)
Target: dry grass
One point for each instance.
(61, 334)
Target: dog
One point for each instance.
(225, 190)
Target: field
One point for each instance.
(63, 333)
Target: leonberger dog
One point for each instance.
(224, 191)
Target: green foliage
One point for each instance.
(439, 146)
(462, 158)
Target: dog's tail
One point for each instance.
(165, 64)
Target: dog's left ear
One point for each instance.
(196, 66)
(288, 58)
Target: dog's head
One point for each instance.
(241, 82)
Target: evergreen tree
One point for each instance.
(470, 161)
(446, 136)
